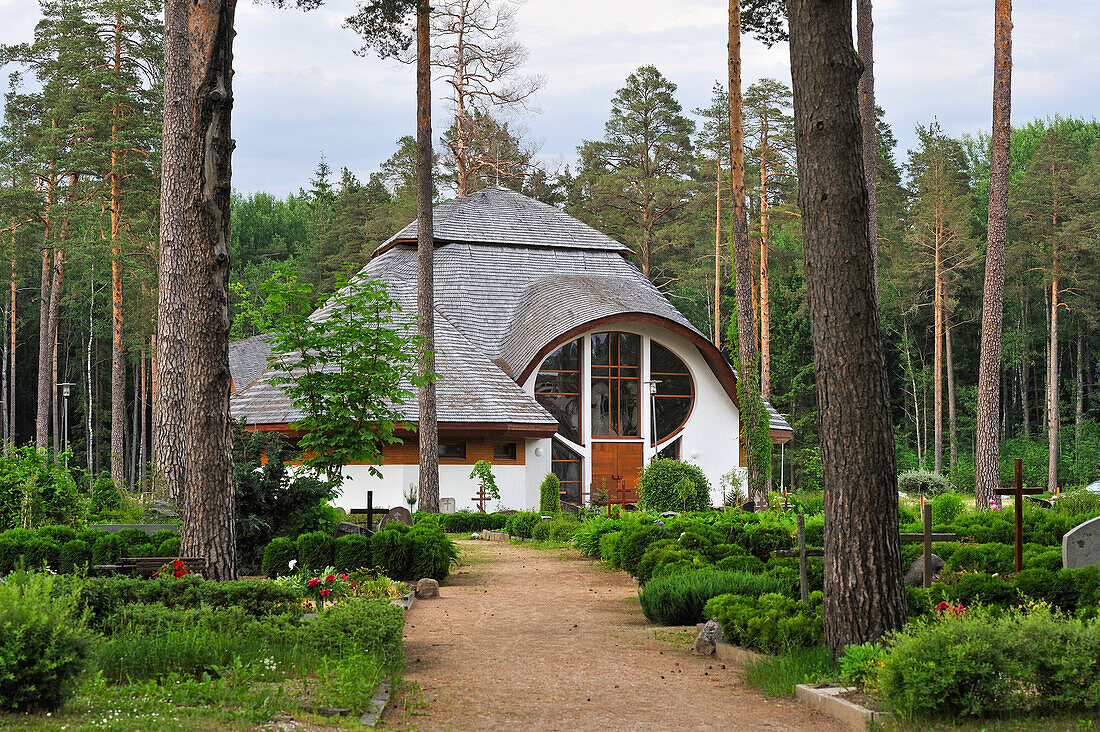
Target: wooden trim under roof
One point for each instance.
(450, 430)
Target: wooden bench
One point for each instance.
(149, 565)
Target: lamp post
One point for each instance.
(66, 391)
(651, 386)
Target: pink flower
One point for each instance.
(325, 592)
(312, 583)
(353, 585)
(343, 578)
(330, 578)
(943, 605)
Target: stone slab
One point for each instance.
(446, 505)
(378, 704)
(829, 701)
(1081, 545)
(399, 514)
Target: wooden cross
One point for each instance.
(481, 499)
(927, 537)
(1018, 491)
(802, 552)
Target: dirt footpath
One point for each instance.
(523, 639)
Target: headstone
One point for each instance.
(669, 514)
(399, 514)
(707, 641)
(345, 528)
(427, 589)
(446, 505)
(1081, 545)
(914, 576)
(748, 507)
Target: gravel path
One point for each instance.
(526, 639)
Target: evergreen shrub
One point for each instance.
(277, 557)
(431, 552)
(923, 483)
(107, 549)
(771, 622)
(74, 555)
(520, 524)
(946, 507)
(680, 598)
(609, 547)
(315, 550)
(465, 522)
(169, 547)
(44, 642)
(352, 552)
(764, 538)
(59, 533)
(550, 495)
(588, 536)
(130, 538)
(636, 538)
(662, 487)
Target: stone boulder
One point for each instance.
(707, 641)
(914, 576)
(426, 589)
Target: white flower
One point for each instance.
(293, 563)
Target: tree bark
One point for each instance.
(143, 437)
(52, 331)
(11, 380)
(865, 32)
(765, 307)
(1079, 413)
(425, 264)
(986, 438)
(937, 354)
(1052, 383)
(864, 597)
(1025, 408)
(193, 436)
(952, 404)
(742, 258)
(718, 252)
(45, 390)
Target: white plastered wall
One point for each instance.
(709, 438)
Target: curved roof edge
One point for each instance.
(778, 429)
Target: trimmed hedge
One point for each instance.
(550, 495)
(315, 550)
(352, 552)
(465, 522)
(672, 485)
(771, 622)
(412, 553)
(680, 599)
(521, 524)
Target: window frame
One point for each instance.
(655, 376)
(612, 377)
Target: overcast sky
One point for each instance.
(300, 90)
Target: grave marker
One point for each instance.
(399, 514)
(1018, 491)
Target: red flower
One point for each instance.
(325, 592)
(943, 606)
(312, 583)
(353, 585)
(330, 578)
(343, 578)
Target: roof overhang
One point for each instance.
(446, 429)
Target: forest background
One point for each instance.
(79, 169)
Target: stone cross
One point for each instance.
(927, 537)
(1018, 491)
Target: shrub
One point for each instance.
(679, 599)
(39, 552)
(772, 623)
(591, 532)
(945, 507)
(663, 553)
(359, 626)
(390, 552)
(105, 494)
(35, 490)
(541, 531)
(107, 549)
(989, 558)
(352, 552)
(74, 554)
(277, 557)
(564, 529)
(740, 563)
(130, 538)
(431, 552)
(315, 550)
(609, 547)
(662, 487)
(44, 642)
(636, 538)
(148, 549)
(924, 483)
(550, 495)
(520, 524)
(980, 587)
(169, 547)
(61, 534)
(464, 522)
(984, 664)
(764, 538)
(860, 664)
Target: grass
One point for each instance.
(1073, 723)
(778, 675)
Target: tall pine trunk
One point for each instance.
(1052, 383)
(952, 406)
(987, 418)
(765, 306)
(865, 31)
(937, 352)
(11, 381)
(1079, 392)
(718, 252)
(742, 258)
(864, 597)
(45, 388)
(193, 436)
(425, 265)
(52, 329)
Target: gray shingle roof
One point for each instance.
(499, 300)
(247, 360)
(501, 216)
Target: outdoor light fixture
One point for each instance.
(538, 452)
(694, 454)
(66, 392)
(651, 385)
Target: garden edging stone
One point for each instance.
(830, 701)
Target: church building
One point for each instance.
(554, 353)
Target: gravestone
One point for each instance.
(446, 505)
(346, 528)
(399, 514)
(914, 576)
(1081, 545)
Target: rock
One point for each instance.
(1081, 545)
(707, 641)
(426, 589)
(914, 576)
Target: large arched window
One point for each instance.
(616, 384)
(558, 388)
(675, 392)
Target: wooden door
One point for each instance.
(616, 468)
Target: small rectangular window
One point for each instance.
(507, 451)
(452, 451)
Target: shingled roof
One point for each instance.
(500, 299)
(501, 216)
(248, 358)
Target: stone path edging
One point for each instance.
(829, 701)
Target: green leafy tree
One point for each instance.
(348, 369)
